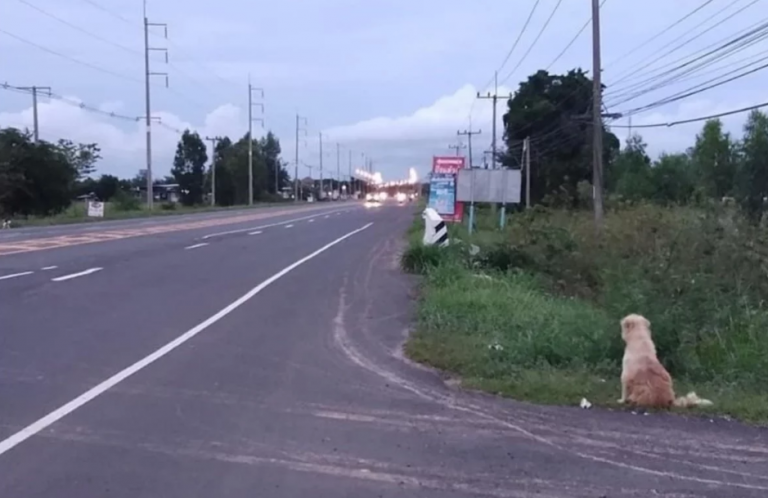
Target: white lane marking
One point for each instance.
(327, 215)
(195, 246)
(61, 412)
(257, 232)
(75, 275)
(46, 268)
(338, 213)
(288, 226)
(311, 221)
(241, 230)
(14, 275)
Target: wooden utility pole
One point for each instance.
(597, 119)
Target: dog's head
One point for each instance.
(633, 326)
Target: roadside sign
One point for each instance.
(95, 209)
(442, 187)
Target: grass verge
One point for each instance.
(535, 315)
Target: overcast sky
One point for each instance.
(393, 79)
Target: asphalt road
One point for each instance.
(262, 359)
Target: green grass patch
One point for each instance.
(535, 316)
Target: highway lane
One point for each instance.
(16, 235)
(297, 388)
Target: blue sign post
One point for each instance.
(442, 193)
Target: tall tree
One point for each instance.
(630, 173)
(673, 179)
(82, 156)
(753, 173)
(189, 167)
(550, 109)
(714, 159)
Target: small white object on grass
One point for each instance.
(585, 404)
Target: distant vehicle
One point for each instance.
(401, 197)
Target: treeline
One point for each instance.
(553, 111)
(42, 178)
(231, 163)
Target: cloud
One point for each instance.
(123, 142)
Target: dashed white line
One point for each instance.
(195, 246)
(64, 410)
(241, 230)
(14, 275)
(75, 275)
(327, 216)
(311, 221)
(288, 226)
(46, 268)
(257, 232)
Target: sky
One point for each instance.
(392, 81)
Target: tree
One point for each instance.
(106, 187)
(673, 179)
(550, 110)
(189, 167)
(270, 145)
(714, 159)
(630, 173)
(753, 170)
(82, 156)
(35, 177)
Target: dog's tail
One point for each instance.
(691, 399)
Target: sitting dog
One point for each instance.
(644, 380)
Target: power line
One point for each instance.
(695, 120)
(541, 31)
(71, 59)
(573, 40)
(636, 71)
(519, 36)
(657, 35)
(109, 12)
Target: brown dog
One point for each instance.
(644, 380)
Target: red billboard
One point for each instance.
(445, 171)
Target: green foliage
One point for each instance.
(189, 167)
(753, 171)
(83, 157)
(547, 108)
(125, 201)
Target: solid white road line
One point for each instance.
(257, 232)
(46, 268)
(195, 246)
(61, 412)
(75, 275)
(241, 230)
(288, 226)
(14, 275)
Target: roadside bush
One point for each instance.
(168, 206)
(124, 201)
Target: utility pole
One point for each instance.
(251, 119)
(148, 108)
(597, 119)
(35, 122)
(213, 141)
(351, 179)
(296, 163)
(526, 161)
(457, 147)
(322, 187)
(469, 134)
(494, 98)
(338, 167)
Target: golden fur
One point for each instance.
(644, 380)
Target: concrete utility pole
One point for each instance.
(251, 119)
(526, 161)
(469, 134)
(299, 119)
(35, 122)
(322, 187)
(148, 108)
(351, 178)
(597, 119)
(458, 148)
(338, 167)
(494, 98)
(213, 141)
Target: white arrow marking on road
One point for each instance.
(41, 424)
(75, 275)
(195, 246)
(14, 275)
